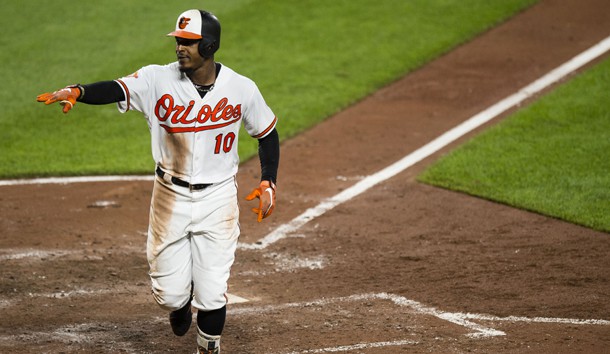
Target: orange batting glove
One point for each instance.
(266, 195)
(67, 97)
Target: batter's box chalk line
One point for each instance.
(359, 346)
(461, 319)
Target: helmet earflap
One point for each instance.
(210, 31)
(207, 50)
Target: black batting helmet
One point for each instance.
(199, 24)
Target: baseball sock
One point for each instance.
(212, 322)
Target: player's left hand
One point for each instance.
(66, 96)
(266, 195)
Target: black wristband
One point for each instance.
(102, 92)
(81, 90)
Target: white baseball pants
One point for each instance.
(192, 236)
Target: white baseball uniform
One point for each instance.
(193, 233)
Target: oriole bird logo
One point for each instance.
(184, 21)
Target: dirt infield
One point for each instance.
(402, 268)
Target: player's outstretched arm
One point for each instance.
(102, 92)
(269, 154)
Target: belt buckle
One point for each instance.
(191, 189)
(167, 178)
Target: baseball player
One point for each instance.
(194, 108)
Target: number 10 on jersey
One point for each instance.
(224, 142)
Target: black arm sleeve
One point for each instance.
(102, 92)
(269, 154)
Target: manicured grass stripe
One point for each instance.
(551, 157)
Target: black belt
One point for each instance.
(181, 183)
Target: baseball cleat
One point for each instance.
(208, 351)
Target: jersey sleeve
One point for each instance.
(136, 89)
(259, 119)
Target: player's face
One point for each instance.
(187, 51)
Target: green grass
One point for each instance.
(310, 59)
(551, 157)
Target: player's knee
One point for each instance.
(210, 298)
(170, 302)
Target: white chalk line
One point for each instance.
(96, 254)
(280, 262)
(573, 321)
(33, 253)
(70, 180)
(72, 293)
(479, 331)
(458, 318)
(432, 147)
(85, 333)
(461, 319)
(359, 346)
(277, 262)
(7, 301)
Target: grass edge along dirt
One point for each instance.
(550, 157)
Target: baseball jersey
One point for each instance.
(194, 138)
